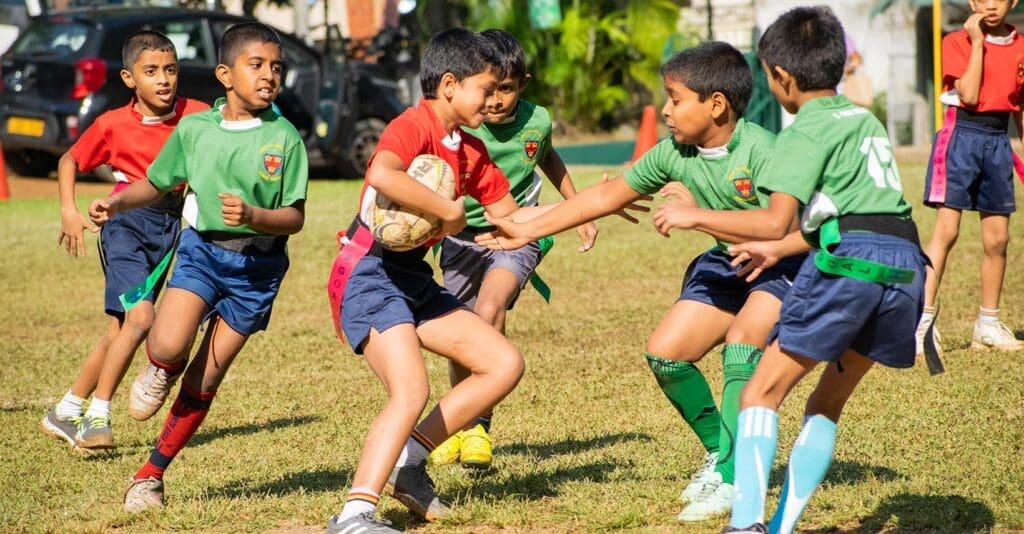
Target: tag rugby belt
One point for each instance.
(249, 245)
(860, 269)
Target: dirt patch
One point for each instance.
(22, 187)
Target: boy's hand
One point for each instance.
(588, 235)
(680, 192)
(674, 214)
(455, 220)
(101, 210)
(624, 211)
(755, 257)
(234, 210)
(973, 27)
(71, 224)
(507, 236)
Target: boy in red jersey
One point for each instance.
(971, 167)
(131, 244)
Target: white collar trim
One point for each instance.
(146, 119)
(713, 152)
(1005, 40)
(247, 124)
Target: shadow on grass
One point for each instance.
(317, 481)
(571, 445)
(252, 428)
(913, 513)
(843, 473)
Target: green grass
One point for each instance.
(586, 443)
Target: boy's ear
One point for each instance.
(525, 82)
(446, 88)
(126, 77)
(719, 105)
(223, 74)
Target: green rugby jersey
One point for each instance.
(836, 160)
(719, 179)
(262, 160)
(516, 147)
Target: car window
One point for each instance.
(46, 38)
(187, 36)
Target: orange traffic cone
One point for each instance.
(647, 135)
(4, 192)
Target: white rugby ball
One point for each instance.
(399, 229)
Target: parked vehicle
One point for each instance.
(62, 73)
(13, 17)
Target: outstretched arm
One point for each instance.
(558, 175)
(139, 194)
(770, 223)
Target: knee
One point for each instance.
(743, 335)
(412, 397)
(138, 321)
(490, 310)
(164, 348)
(663, 348)
(508, 366)
(996, 242)
(946, 234)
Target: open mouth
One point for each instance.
(265, 93)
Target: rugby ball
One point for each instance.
(399, 229)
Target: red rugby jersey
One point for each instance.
(1002, 74)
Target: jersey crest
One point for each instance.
(743, 184)
(1020, 68)
(531, 139)
(273, 162)
(531, 147)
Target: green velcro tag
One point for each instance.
(136, 294)
(855, 268)
(538, 283)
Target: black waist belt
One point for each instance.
(998, 120)
(881, 224)
(170, 203)
(247, 244)
(469, 233)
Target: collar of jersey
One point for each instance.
(823, 102)
(151, 121)
(238, 126)
(1003, 41)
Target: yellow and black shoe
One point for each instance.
(476, 448)
(448, 452)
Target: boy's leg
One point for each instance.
(220, 345)
(96, 430)
(171, 337)
(989, 331)
(63, 419)
(812, 452)
(944, 236)
(757, 429)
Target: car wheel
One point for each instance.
(30, 162)
(357, 154)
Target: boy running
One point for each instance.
(719, 158)
(245, 202)
(856, 300)
(517, 135)
(971, 167)
(132, 243)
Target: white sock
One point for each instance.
(360, 501)
(927, 315)
(986, 315)
(413, 453)
(98, 408)
(70, 406)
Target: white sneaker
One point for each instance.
(714, 500)
(922, 332)
(693, 489)
(149, 391)
(994, 335)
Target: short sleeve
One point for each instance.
(404, 138)
(93, 148)
(296, 174)
(650, 172)
(795, 169)
(168, 169)
(487, 184)
(955, 52)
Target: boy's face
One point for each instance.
(688, 119)
(255, 78)
(154, 78)
(470, 97)
(505, 98)
(993, 11)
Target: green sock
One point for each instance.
(686, 389)
(738, 363)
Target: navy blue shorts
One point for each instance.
(132, 243)
(240, 288)
(973, 170)
(824, 314)
(712, 279)
(391, 289)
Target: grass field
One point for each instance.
(586, 443)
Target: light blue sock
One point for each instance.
(808, 464)
(756, 441)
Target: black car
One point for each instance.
(63, 71)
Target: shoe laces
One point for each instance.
(158, 382)
(371, 519)
(98, 421)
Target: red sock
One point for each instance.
(186, 415)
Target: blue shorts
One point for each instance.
(391, 289)
(824, 314)
(973, 170)
(712, 279)
(132, 243)
(240, 288)
(464, 264)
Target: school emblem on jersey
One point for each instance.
(1020, 67)
(531, 140)
(272, 162)
(742, 183)
(531, 147)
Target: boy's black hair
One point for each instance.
(511, 59)
(713, 67)
(143, 40)
(241, 35)
(808, 43)
(458, 51)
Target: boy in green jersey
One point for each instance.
(714, 159)
(246, 170)
(517, 134)
(856, 300)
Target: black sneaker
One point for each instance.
(412, 486)
(363, 523)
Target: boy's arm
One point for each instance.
(71, 220)
(139, 194)
(756, 256)
(968, 86)
(286, 220)
(770, 223)
(558, 175)
(387, 175)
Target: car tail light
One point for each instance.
(72, 124)
(90, 75)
